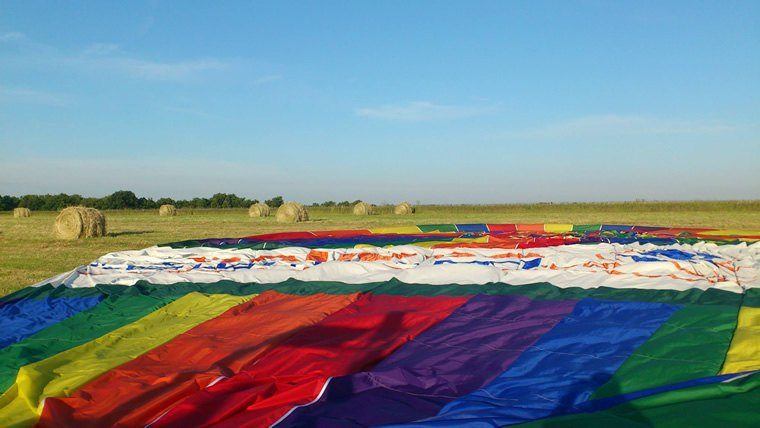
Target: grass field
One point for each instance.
(29, 254)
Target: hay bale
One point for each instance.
(21, 212)
(259, 210)
(167, 210)
(291, 212)
(404, 208)
(79, 222)
(363, 208)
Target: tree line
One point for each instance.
(125, 199)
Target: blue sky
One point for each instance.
(424, 101)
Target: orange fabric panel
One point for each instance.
(136, 392)
(534, 228)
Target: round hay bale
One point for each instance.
(363, 208)
(21, 212)
(167, 210)
(259, 210)
(79, 222)
(291, 212)
(404, 208)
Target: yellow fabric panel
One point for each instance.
(429, 244)
(396, 229)
(744, 353)
(558, 228)
(63, 373)
(731, 232)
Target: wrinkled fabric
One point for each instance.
(59, 374)
(455, 324)
(463, 352)
(354, 338)
(23, 318)
(562, 369)
(142, 389)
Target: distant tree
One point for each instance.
(165, 201)
(228, 200)
(8, 203)
(220, 200)
(275, 202)
(328, 204)
(344, 204)
(63, 200)
(200, 203)
(146, 203)
(120, 200)
(33, 202)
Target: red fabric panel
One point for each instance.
(137, 392)
(286, 236)
(548, 241)
(514, 241)
(350, 340)
(502, 228)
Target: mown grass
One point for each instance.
(28, 252)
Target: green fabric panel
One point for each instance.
(27, 293)
(540, 291)
(427, 228)
(691, 344)
(123, 306)
(752, 298)
(586, 227)
(48, 291)
(733, 404)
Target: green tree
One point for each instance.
(8, 203)
(121, 200)
(275, 202)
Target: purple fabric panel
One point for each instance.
(465, 351)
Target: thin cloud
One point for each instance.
(418, 111)
(267, 79)
(101, 49)
(12, 36)
(109, 57)
(20, 95)
(155, 70)
(604, 126)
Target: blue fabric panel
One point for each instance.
(25, 317)
(476, 228)
(672, 254)
(562, 369)
(617, 227)
(530, 264)
(645, 259)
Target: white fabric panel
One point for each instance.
(702, 265)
